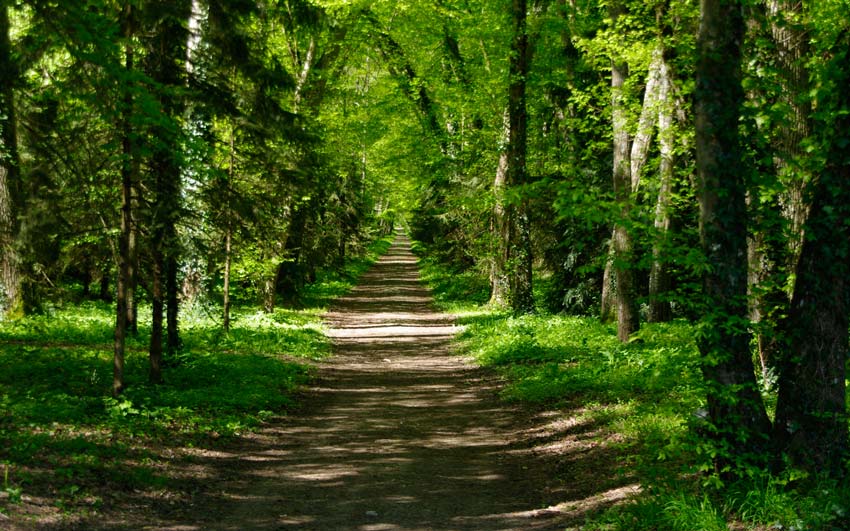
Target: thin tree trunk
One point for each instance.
(736, 412)
(133, 254)
(499, 227)
(124, 260)
(228, 234)
(626, 303)
(167, 53)
(172, 301)
(157, 306)
(639, 153)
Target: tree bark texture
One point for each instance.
(659, 278)
(500, 227)
(10, 186)
(521, 259)
(775, 250)
(736, 412)
(811, 413)
(621, 257)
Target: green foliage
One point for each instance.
(453, 290)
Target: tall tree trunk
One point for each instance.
(157, 304)
(228, 231)
(659, 279)
(10, 186)
(123, 283)
(737, 415)
(625, 181)
(166, 64)
(811, 413)
(520, 259)
(626, 303)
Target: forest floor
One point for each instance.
(397, 433)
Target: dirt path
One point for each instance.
(397, 434)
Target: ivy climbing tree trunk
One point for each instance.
(520, 259)
(811, 412)
(739, 423)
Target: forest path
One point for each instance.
(398, 433)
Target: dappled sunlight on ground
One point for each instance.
(400, 433)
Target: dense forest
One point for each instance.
(637, 162)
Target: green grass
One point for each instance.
(643, 395)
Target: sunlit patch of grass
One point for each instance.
(644, 395)
(455, 292)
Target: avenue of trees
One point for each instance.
(639, 160)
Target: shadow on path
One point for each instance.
(399, 434)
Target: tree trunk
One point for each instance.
(739, 423)
(172, 287)
(228, 235)
(659, 279)
(166, 64)
(772, 256)
(520, 260)
(228, 232)
(624, 296)
(133, 254)
(11, 302)
(124, 258)
(811, 413)
(500, 228)
(269, 292)
(792, 46)
(157, 304)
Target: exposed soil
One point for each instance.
(398, 433)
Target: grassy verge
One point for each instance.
(66, 445)
(641, 398)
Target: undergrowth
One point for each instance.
(641, 397)
(64, 439)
